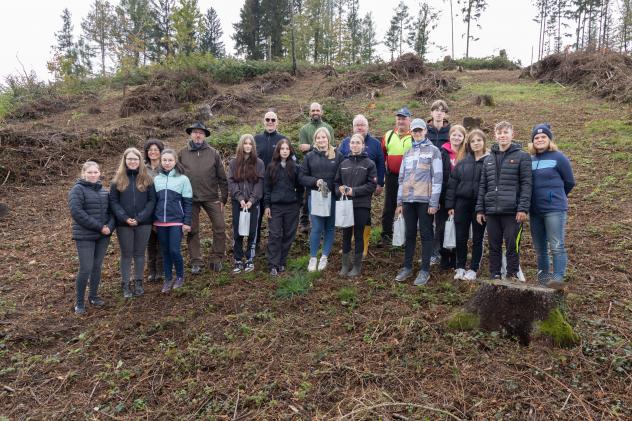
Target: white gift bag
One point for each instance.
(449, 234)
(320, 203)
(399, 232)
(244, 223)
(344, 212)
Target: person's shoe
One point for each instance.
(322, 263)
(217, 266)
(346, 263)
(544, 277)
(80, 310)
(435, 260)
(422, 278)
(403, 274)
(496, 276)
(127, 292)
(556, 283)
(520, 276)
(238, 267)
(311, 266)
(459, 275)
(196, 269)
(138, 288)
(250, 266)
(152, 277)
(166, 286)
(281, 269)
(178, 283)
(513, 277)
(470, 275)
(96, 302)
(274, 272)
(357, 266)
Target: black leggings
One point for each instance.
(462, 225)
(416, 215)
(361, 217)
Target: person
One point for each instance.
(318, 172)
(438, 124)
(283, 195)
(449, 151)
(92, 226)
(373, 149)
(305, 140)
(357, 179)
(504, 198)
(153, 148)
(204, 167)
(245, 184)
(460, 201)
(265, 143)
(172, 216)
(553, 180)
(132, 199)
(395, 143)
(420, 179)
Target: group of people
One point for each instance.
(431, 172)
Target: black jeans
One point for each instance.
(499, 228)
(462, 225)
(416, 216)
(154, 255)
(391, 184)
(238, 240)
(361, 218)
(281, 232)
(91, 254)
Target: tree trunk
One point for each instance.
(452, 27)
(469, 20)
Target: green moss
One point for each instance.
(463, 320)
(558, 329)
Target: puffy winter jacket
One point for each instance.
(553, 180)
(282, 190)
(373, 149)
(462, 190)
(359, 173)
(133, 203)
(421, 175)
(439, 136)
(317, 166)
(505, 185)
(90, 210)
(265, 143)
(174, 198)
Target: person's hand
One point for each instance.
(341, 189)
(105, 230)
(129, 221)
(319, 182)
(450, 212)
(521, 217)
(432, 211)
(186, 228)
(378, 190)
(304, 147)
(242, 204)
(248, 204)
(267, 214)
(480, 218)
(398, 211)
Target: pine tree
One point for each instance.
(402, 14)
(186, 20)
(471, 11)
(247, 36)
(64, 36)
(97, 28)
(426, 21)
(211, 34)
(391, 41)
(161, 44)
(132, 31)
(368, 39)
(625, 26)
(353, 23)
(70, 59)
(274, 21)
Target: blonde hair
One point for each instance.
(468, 139)
(458, 128)
(552, 147)
(503, 125)
(87, 165)
(143, 181)
(331, 153)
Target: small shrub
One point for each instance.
(298, 263)
(297, 284)
(336, 113)
(348, 296)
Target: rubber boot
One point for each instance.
(127, 292)
(357, 266)
(366, 236)
(138, 288)
(346, 264)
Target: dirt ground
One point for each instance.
(225, 347)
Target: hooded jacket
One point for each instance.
(205, 170)
(505, 186)
(462, 189)
(421, 175)
(359, 173)
(283, 190)
(90, 210)
(173, 192)
(265, 143)
(373, 149)
(317, 165)
(132, 203)
(439, 136)
(553, 180)
(246, 190)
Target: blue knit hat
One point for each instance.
(542, 128)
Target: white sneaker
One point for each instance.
(459, 275)
(322, 264)
(311, 267)
(470, 275)
(520, 275)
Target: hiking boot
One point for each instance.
(322, 263)
(127, 292)
(250, 266)
(166, 286)
(178, 283)
(96, 301)
(422, 278)
(403, 274)
(196, 269)
(470, 275)
(80, 309)
(138, 288)
(274, 272)
(311, 266)
(217, 266)
(459, 275)
(357, 266)
(238, 267)
(346, 263)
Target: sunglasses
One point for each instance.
(270, 120)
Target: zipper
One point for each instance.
(134, 194)
(166, 195)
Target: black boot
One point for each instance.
(138, 288)
(127, 292)
(357, 266)
(346, 264)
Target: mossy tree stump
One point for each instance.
(520, 310)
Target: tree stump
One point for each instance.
(486, 100)
(519, 310)
(472, 123)
(4, 210)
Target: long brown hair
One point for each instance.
(246, 165)
(275, 165)
(143, 181)
(466, 148)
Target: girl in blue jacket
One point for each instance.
(553, 180)
(172, 216)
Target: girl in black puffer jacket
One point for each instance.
(460, 201)
(92, 226)
(132, 199)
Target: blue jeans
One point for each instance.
(170, 239)
(547, 230)
(320, 226)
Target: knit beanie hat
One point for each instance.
(542, 128)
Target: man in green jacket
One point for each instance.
(205, 169)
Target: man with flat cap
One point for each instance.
(203, 165)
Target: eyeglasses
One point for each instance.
(270, 120)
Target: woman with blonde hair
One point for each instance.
(245, 186)
(318, 172)
(132, 198)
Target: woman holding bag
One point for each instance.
(317, 173)
(357, 180)
(245, 186)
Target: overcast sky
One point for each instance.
(27, 28)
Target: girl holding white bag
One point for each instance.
(317, 173)
(356, 180)
(245, 184)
